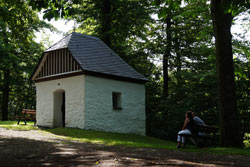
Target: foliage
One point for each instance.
(242, 77)
(19, 55)
(168, 8)
(191, 69)
(247, 140)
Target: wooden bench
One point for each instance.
(27, 114)
(206, 133)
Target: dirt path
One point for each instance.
(35, 148)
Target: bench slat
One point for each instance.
(210, 132)
(27, 114)
(206, 128)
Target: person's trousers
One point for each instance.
(181, 138)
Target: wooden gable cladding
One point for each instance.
(57, 62)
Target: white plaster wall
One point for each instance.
(99, 112)
(74, 101)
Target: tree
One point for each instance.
(107, 19)
(222, 16)
(15, 17)
(187, 46)
(223, 12)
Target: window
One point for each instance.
(117, 100)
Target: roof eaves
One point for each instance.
(115, 77)
(31, 77)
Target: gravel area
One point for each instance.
(37, 148)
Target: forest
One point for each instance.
(184, 47)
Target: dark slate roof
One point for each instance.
(95, 56)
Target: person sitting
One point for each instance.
(197, 120)
(187, 129)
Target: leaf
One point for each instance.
(176, 5)
(156, 3)
(163, 13)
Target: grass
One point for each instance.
(13, 125)
(137, 141)
(108, 138)
(127, 140)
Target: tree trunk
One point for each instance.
(229, 119)
(5, 99)
(106, 22)
(248, 76)
(166, 58)
(178, 66)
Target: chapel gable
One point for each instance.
(57, 62)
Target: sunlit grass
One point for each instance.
(112, 138)
(8, 123)
(13, 125)
(116, 139)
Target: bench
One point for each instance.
(206, 133)
(27, 114)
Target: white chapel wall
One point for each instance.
(74, 101)
(99, 112)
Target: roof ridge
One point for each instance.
(58, 41)
(85, 35)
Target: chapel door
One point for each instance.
(63, 109)
(59, 109)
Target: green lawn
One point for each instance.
(127, 140)
(13, 125)
(112, 138)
